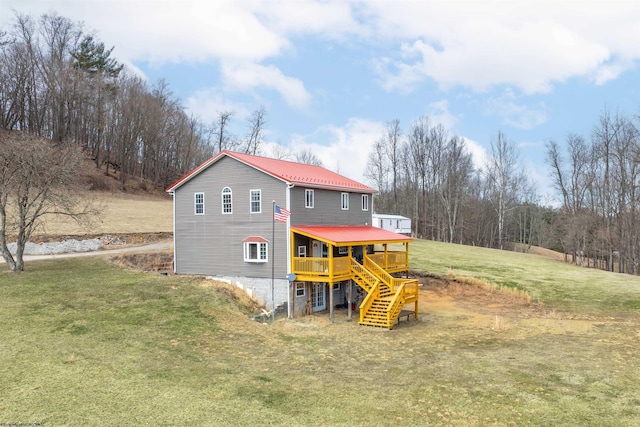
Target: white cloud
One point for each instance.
(438, 112)
(514, 113)
(246, 76)
(343, 149)
(479, 155)
(208, 103)
(526, 44)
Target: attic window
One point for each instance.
(256, 249)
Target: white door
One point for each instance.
(318, 292)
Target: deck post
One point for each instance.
(331, 302)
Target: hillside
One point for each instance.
(142, 212)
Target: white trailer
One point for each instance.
(396, 223)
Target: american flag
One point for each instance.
(280, 214)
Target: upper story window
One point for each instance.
(198, 200)
(227, 206)
(308, 198)
(256, 201)
(365, 202)
(345, 201)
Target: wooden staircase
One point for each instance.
(386, 295)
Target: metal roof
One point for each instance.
(286, 171)
(341, 235)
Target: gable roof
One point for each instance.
(286, 171)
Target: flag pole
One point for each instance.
(273, 262)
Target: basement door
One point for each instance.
(318, 289)
(318, 300)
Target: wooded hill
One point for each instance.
(61, 83)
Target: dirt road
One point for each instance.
(116, 250)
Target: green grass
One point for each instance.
(85, 343)
(555, 284)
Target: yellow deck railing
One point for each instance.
(390, 260)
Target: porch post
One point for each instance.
(330, 283)
(331, 302)
(349, 294)
(292, 254)
(386, 257)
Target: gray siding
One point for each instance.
(327, 208)
(211, 244)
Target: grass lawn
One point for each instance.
(557, 284)
(83, 342)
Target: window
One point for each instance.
(256, 204)
(199, 203)
(308, 199)
(365, 202)
(343, 250)
(302, 251)
(336, 286)
(300, 289)
(255, 249)
(227, 206)
(345, 201)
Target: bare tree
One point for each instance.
(38, 178)
(458, 168)
(257, 123)
(223, 139)
(377, 171)
(308, 157)
(505, 180)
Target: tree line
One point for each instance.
(60, 82)
(428, 175)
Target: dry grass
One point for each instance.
(518, 295)
(87, 343)
(121, 213)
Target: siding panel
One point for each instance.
(211, 244)
(327, 209)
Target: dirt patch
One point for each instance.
(157, 261)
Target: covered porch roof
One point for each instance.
(350, 235)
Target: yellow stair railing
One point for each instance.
(386, 295)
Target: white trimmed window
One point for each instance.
(227, 205)
(345, 201)
(365, 202)
(300, 289)
(256, 201)
(343, 250)
(256, 249)
(302, 251)
(198, 203)
(308, 199)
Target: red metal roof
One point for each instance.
(255, 239)
(289, 172)
(356, 234)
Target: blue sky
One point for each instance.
(330, 74)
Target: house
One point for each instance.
(324, 254)
(396, 223)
